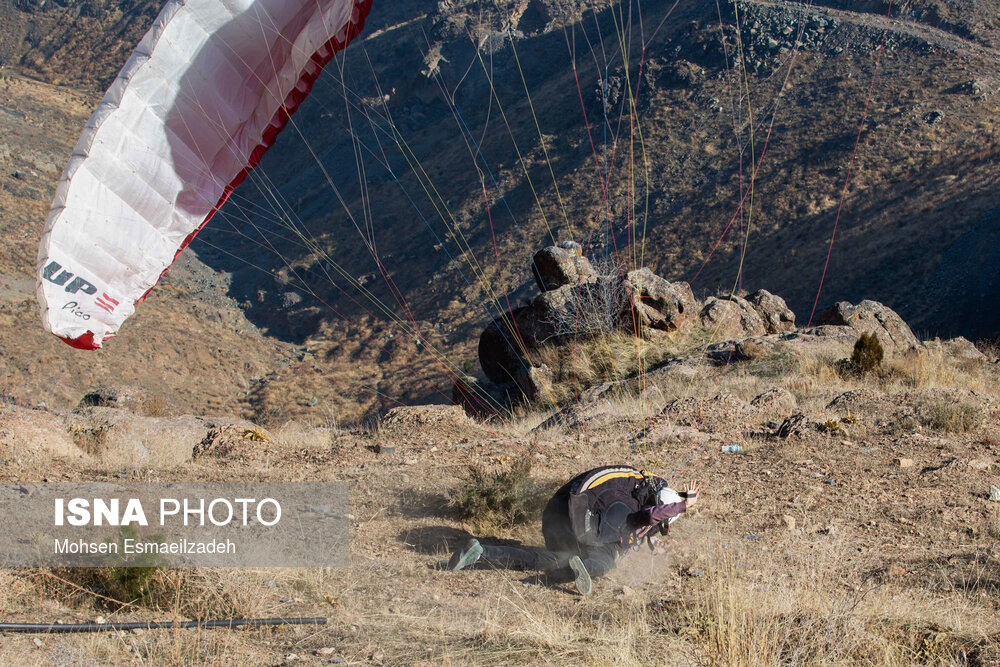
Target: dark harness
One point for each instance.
(602, 500)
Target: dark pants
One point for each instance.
(560, 545)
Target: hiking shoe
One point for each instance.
(466, 556)
(582, 577)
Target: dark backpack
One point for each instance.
(601, 501)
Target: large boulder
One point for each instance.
(559, 265)
(875, 318)
(777, 316)
(503, 344)
(535, 382)
(959, 348)
(655, 303)
(119, 437)
(35, 435)
(731, 317)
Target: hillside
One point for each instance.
(916, 228)
(853, 527)
(338, 321)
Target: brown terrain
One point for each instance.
(856, 524)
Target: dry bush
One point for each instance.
(155, 406)
(494, 501)
(867, 354)
(952, 417)
(587, 362)
(272, 416)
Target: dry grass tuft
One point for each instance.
(953, 417)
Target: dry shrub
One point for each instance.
(953, 417)
(494, 501)
(155, 406)
(587, 362)
(868, 354)
(936, 370)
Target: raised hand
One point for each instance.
(693, 489)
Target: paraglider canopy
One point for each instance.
(204, 95)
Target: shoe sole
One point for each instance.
(468, 555)
(582, 577)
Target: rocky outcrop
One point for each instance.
(873, 318)
(957, 348)
(119, 437)
(777, 316)
(656, 303)
(759, 314)
(640, 301)
(731, 317)
(562, 264)
(535, 382)
(576, 304)
(501, 345)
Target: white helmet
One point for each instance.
(667, 496)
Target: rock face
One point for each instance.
(874, 318)
(656, 303)
(535, 382)
(759, 314)
(502, 343)
(732, 317)
(559, 265)
(577, 304)
(957, 348)
(777, 316)
(120, 437)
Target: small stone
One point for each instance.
(100, 619)
(694, 572)
(789, 521)
(626, 591)
(994, 493)
(326, 650)
(377, 656)
(291, 657)
(751, 536)
(385, 449)
(37, 642)
(980, 464)
(904, 463)
(830, 530)
(409, 462)
(896, 570)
